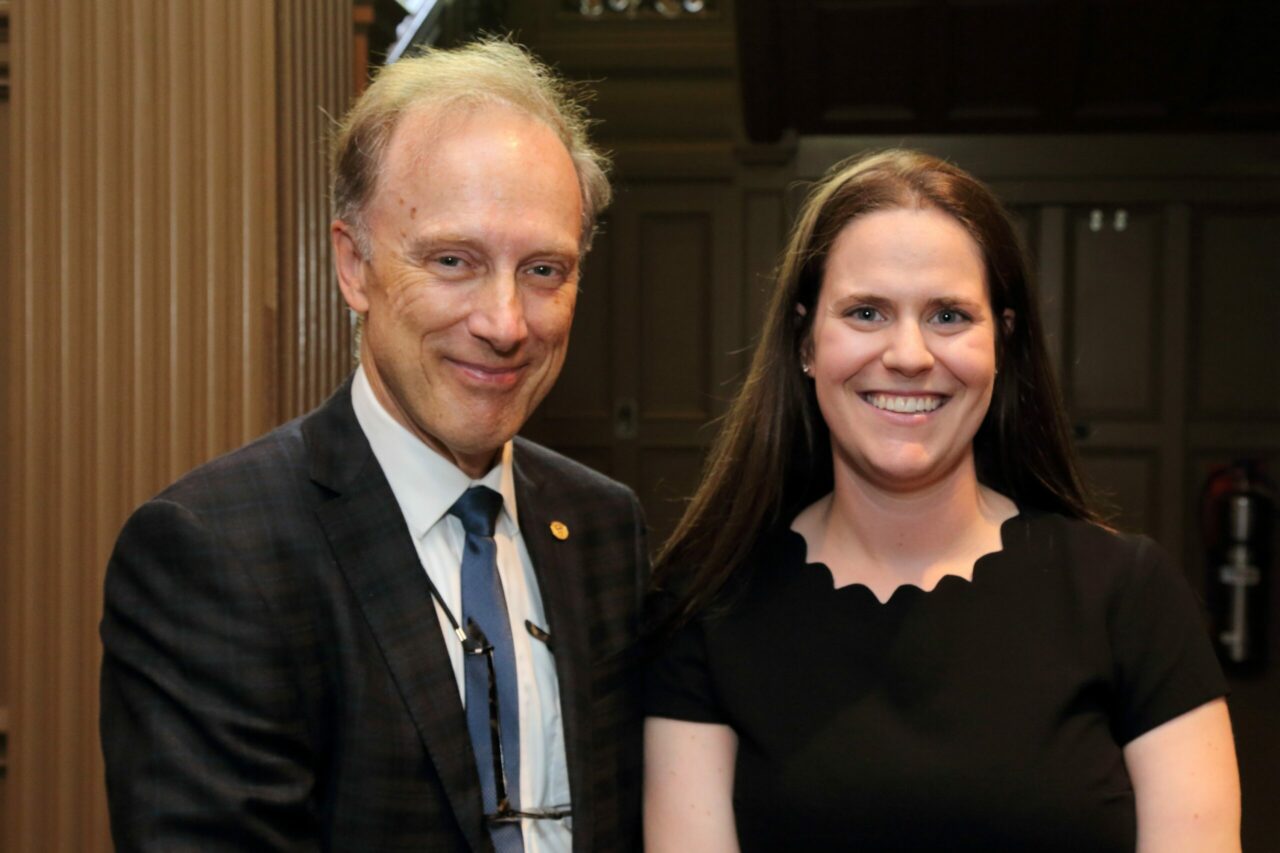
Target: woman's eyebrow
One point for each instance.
(861, 298)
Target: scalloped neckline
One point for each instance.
(904, 591)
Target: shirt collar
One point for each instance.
(424, 483)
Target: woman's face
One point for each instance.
(902, 348)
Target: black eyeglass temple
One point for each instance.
(476, 643)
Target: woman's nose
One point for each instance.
(908, 350)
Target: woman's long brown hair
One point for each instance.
(772, 456)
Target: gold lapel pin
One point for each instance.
(559, 530)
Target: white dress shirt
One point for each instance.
(426, 485)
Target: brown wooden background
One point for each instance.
(166, 297)
(167, 292)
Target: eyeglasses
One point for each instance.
(474, 642)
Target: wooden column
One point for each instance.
(315, 48)
(153, 250)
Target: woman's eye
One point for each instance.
(949, 316)
(865, 313)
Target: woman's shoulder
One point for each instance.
(771, 549)
(1094, 554)
(1054, 532)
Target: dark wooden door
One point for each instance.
(654, 347)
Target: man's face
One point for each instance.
(469, 290)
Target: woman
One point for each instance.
(890, 619)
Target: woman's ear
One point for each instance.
(806, 343)
(1006, 329)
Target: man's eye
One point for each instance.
(449, 261)
(543, 270)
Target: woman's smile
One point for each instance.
(908, 404)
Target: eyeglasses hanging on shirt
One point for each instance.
(474, 642)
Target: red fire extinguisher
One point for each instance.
(1238, 506)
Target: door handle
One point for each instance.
(626, 418)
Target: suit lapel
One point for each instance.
(558, 565)
(375, 553)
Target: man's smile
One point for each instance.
(495, 376)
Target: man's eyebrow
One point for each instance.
(425, 244)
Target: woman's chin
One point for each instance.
(905, 473)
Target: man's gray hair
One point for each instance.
(490, 71)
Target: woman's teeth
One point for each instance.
(903, 405)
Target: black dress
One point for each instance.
(983, 715)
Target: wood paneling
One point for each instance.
(669, 82)
(657, 340)
(144, 221)
(1115, 264)
(1236, 294)
(314, 41)
(1024, 66)
(1126, 485)
(764, 225)
(9, 350)
(143, 286)
(585, 389)
(675, 265)
(668, 477)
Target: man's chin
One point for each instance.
(482, 448)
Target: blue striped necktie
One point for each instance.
(484, 604)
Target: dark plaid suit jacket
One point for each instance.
(274, 677)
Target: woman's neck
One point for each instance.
(868, 534)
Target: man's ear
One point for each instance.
(348, 260)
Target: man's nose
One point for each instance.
(908, 350)
(497, 315)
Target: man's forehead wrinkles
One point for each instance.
(422, 128)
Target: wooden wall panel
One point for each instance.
(315, 330)
(142, 285)
(668, 478)
(1115, 255)
(8, 351)
(657, 343)
(1236, 293)
(585, 389)
(764, 224)
(1126, 485)
(675, 270)
(145, 231)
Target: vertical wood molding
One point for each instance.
(1174, 305)
(315, 86)
(10, 348)
(165, 213)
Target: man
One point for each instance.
(389, 624)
